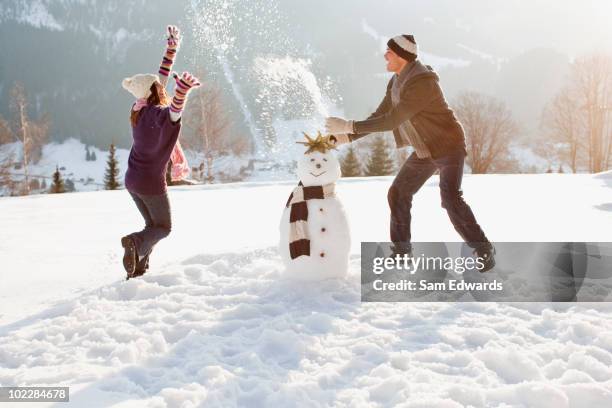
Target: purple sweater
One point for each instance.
(154, 138)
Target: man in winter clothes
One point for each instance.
(415, 109)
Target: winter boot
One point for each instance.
(130, 256)
(142, 267)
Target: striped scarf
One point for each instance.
(299, 240)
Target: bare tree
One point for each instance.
(19, 108)
(6, 135)
(489, 129)
(592, 79)
(6, 158)
(564, 127)
(241, 145)
(579, 119)
(31, 134)
(208, 122)
(38, 136)
(7, 184)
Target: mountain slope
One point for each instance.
(72, 55)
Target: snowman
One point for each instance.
(314, 232)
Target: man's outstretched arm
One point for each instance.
(341, 138)
(413, 100)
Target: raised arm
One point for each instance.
(184, 84)
(165, 68)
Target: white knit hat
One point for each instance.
(404, 45)
(139, 85)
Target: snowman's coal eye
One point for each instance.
(311, 160)
(324, 159)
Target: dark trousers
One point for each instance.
(411, 177)
(155, 210)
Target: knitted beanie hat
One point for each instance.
(404, 45)
(139, 85)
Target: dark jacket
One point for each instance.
(423, 104)
(154, 138)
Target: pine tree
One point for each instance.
(43, 185)
(87, 154)
(58, 183)
(93, 156)
(560, 169)
(350, 164)
(112, 171)
(381, 161)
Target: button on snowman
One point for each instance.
(314, 232)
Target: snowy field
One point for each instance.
(217, 323)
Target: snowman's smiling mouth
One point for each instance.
(317, 175)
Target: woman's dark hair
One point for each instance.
(158, 97)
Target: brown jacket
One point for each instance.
(424, 105)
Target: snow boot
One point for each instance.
(486, 251)
(129, 256)
(141, 268)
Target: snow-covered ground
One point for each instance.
(216, 321)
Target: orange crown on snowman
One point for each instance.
(319, 144)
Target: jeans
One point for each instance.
(411, 177)
(155, 210)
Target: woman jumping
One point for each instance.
(156, 125)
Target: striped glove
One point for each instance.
(184, 84)
(174, 39)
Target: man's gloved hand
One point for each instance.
(337, 126)
(339, 139)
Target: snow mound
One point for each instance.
(228, 330)
(215, 323)
(604, 175)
